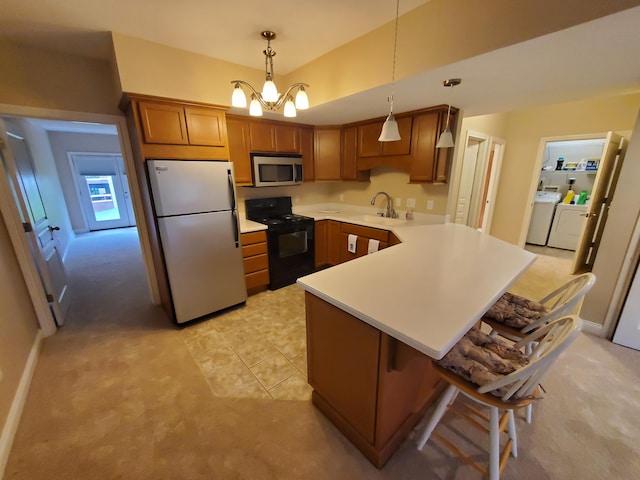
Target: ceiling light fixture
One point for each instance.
(269, 98)
(390, 131)
(446, 138)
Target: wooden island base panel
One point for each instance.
(374, 388)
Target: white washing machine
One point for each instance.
(567, 226)
(542, 216)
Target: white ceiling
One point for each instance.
(597, 58)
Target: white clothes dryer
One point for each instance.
(541, 217)
(567, 226)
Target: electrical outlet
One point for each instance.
(342, 197)
(398, 202)
(411, 202)
(429, 204)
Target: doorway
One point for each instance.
(571, 196)
(481, 166)
(39, 133)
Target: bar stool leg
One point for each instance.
(447, 396)
(494, 454)
(511, 426)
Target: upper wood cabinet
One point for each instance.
(274, 137)
(308, 154)
(369, 146)
(327, 153)
(175, 124)
(428, 163)
(166, 128)
(350, 158)
(239, 150)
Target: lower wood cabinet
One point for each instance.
(321, 242)
(256, 262)
(373, 387)
(364, 234)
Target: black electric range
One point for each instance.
(290, 239)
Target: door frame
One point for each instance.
(481, 161)
(494, 180)
(11, 216)
(526, 218)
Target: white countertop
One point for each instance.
(248, 226)
(429, 290)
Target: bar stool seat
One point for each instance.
(492, 373)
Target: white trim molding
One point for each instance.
(593, 328)
(15, 412)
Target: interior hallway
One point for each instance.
(120, 392)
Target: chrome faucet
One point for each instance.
(389, 212)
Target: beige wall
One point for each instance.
(35, 77)
(524, 131)
(18, 323)
(428, 37)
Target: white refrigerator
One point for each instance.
(196, 211)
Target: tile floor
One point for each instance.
(256, 351)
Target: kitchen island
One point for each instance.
(375, 323)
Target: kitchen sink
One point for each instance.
(379, 220)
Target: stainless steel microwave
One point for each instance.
(276, 170)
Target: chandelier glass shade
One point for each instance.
(269, 98)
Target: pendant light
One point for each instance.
(390, 131)
(446, 138)
(269, 97)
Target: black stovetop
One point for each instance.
(273, 211)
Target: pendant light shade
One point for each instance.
(289, 108)
(302, 99)
(255, 110)
(390, 131)
(238, 98)
(446, 137)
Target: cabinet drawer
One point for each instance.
(254, 264)
(375, 233)
(254, 249)
(257, 279)
(254, 237)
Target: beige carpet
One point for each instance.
(118, 394)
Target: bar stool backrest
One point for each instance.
(550, 340)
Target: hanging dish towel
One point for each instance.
(373, 246)
(351, 243)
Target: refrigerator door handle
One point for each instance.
(232, 192)
(236, 235)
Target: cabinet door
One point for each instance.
(287, 139)
(368, 144)
(239, 152)
(263, 136)
(321, 230)
(362, 247)
(423, 148)
(327, 153)
(163, 123)
(308, 159)
(206, 126)
(402, 146)
(349, 158)
(333, 242)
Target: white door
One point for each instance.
(103, 190)
(628, 330)
(44, 244)
(604, 187)
(465, 192)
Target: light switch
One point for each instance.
(342, 197)
(429, 204)
(411, 202)
(398, 202)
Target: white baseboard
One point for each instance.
(593, 328)
(15, 412)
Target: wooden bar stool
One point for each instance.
(494, 374)
(513, 316)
